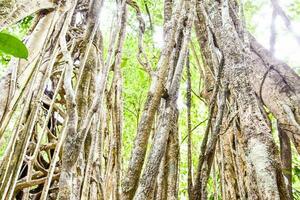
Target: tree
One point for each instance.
(64, 108)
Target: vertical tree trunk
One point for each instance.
(286, 158)
(172, 161)
(130, 183)
(227, 44)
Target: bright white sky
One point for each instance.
(286, 47)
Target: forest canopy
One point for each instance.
(139, 99)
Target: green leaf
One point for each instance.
(13, 46)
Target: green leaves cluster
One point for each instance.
(11, 45)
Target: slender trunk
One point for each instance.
(172, 162)
(189, 129)
(131, 179)
(286, 158)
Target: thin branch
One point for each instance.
(141, 56)
(189, 127)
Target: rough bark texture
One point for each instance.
(224, 36)
(13, 11)
(278, 86)
(286, 158)
(155, 93)
(19, 69)
(64, 106)
(147, 183)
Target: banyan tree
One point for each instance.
(62, 109)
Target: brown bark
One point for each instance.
(130, 182)
(275, 83)
(189, 128)
(158, 148)
(278, 86)
(12, 11)
(230, 174)
(225, 39)
(19, 70)
(172, 162)
(286, 158)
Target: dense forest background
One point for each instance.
(145, 21)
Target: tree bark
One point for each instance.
(146, 186)
(12, 11)
(286, 158)
(130, 182)
(225, 39)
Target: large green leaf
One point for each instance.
(13, 46)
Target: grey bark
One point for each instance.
(225, 38)
(131, 179)
(12, 11)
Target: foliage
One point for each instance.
(13, 46)
(17, 32)
(250, 8)
(294, 9)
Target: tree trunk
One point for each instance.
(64, 106)
(223, 40)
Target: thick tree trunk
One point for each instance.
(223, 40)
(278, 86)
